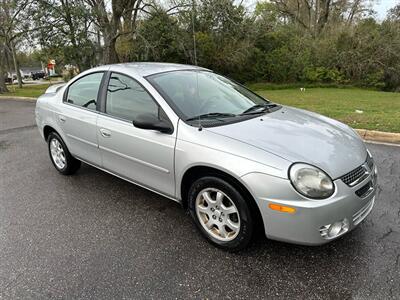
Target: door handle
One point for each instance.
(105, 133)
(62, 118)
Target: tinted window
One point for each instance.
(83, 92)
(127, 99)
(201, 92)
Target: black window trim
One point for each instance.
(99, 94)
(103, 99)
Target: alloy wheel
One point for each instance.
(57, 153)
(217, 214)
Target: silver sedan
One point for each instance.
(235, 160)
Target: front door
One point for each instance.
(143, 156)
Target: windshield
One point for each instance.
(201, 93)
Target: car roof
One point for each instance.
(144, 69)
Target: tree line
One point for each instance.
(279, 41)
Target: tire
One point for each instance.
(215, 216)
(61, 158)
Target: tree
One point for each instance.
(120, 20)
(14, 26)
(394, 14)
(315, 15)
(3, 87)
(224, 36)
(66, 26)
(158, 38)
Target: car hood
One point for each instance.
(301, 136)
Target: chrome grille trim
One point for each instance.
(357, 175)
(370, 162)
(363, 212)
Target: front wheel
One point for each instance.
(62, 160)
(221, 213)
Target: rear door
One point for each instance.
(143, 156)
(79, 117)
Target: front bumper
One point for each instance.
(308, 225)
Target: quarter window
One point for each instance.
(127, 99)
(84, 91)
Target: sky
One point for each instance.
(382, 6)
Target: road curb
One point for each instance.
(18, 98)
(379, 136)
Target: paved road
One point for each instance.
(95, 236)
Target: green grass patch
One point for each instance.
(28, 90)
(284, 86)
(381, 110)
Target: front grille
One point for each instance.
(360, 173)
(353, 176)
(365, 190)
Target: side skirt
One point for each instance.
(129, 180)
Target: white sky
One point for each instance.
(382, 6)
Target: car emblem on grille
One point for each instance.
(366, 168)
(369, 171)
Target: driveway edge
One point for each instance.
(17, 98)
(379, 136)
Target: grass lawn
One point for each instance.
(381, 110)
(28, 90)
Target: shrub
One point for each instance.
(322, 74)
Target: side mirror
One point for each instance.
(151, 122)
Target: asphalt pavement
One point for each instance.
(94, 236)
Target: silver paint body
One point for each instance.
(257, 152)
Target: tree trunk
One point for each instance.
(16, 64)
(110, 55)
(323, 15)
(3, 87)
(99, 52)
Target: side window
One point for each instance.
(127, 99)
(83, 92)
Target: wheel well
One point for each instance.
(47, 130)
(197, 172)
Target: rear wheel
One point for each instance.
(221, 213)
(62, 160)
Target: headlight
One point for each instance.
(311, 181)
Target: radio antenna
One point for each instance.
(198, 98)
(194, 34)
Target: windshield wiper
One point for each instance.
(259, 108)
(213, 115)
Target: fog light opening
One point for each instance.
(334, 230)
